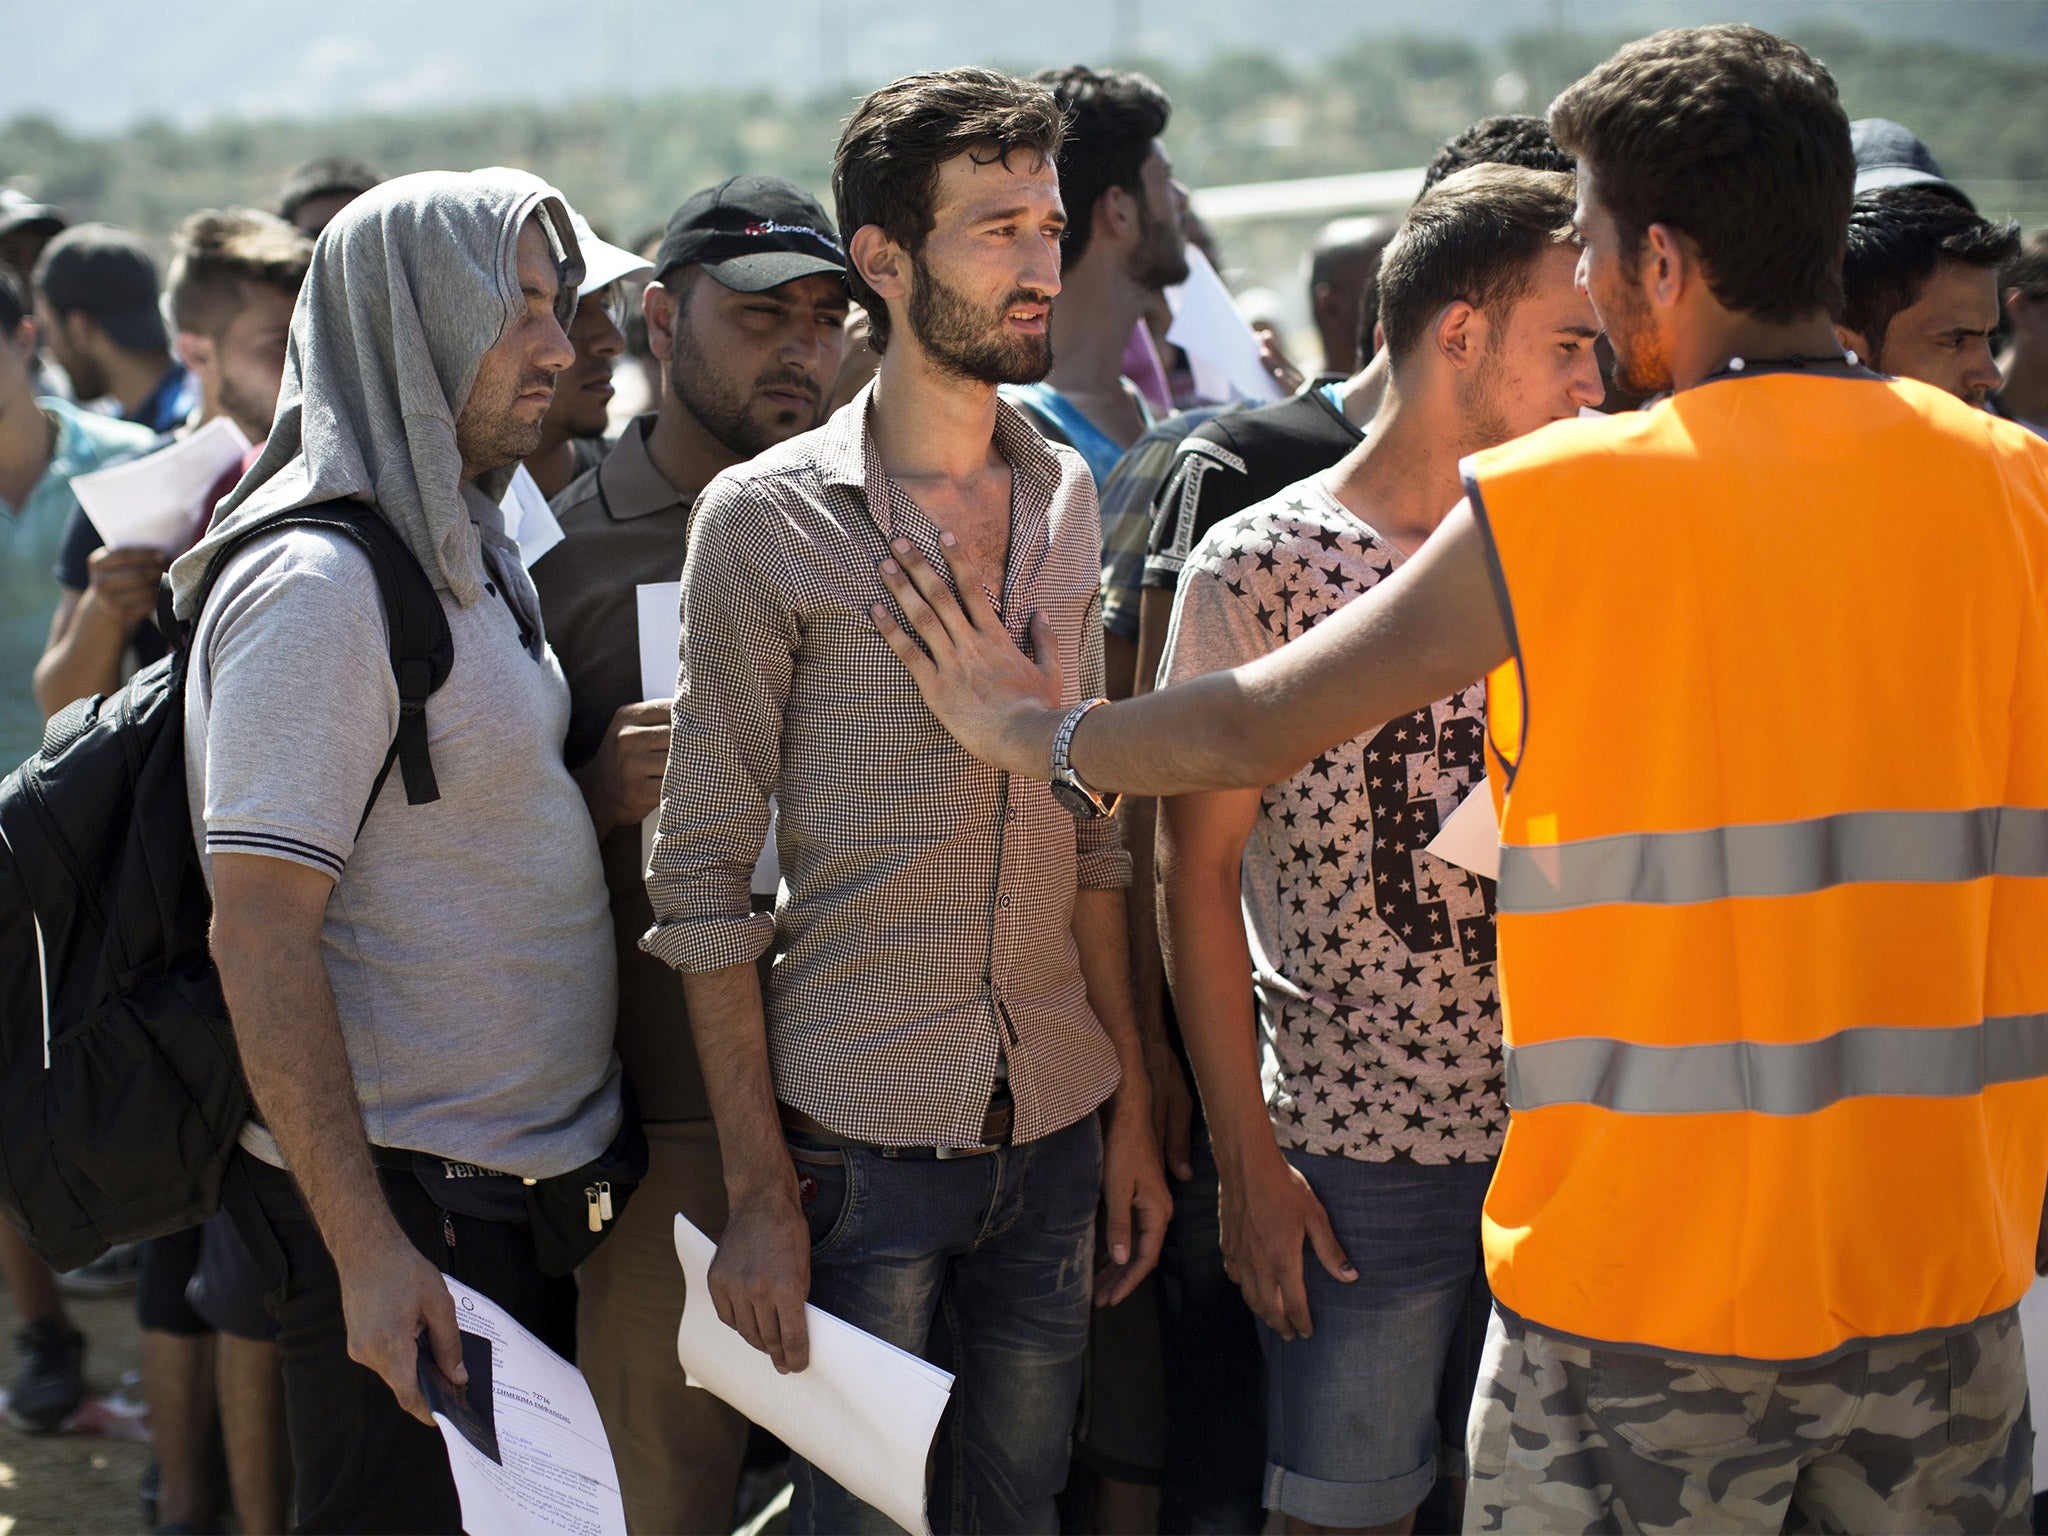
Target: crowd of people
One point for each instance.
(1672, 481)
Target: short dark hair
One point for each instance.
(327, 177)
(1515, 139)
(1473, 237)
(216, 254)
(1113, 115)
(886, 168)
(1897, 237)
(1738, 139)
(13, 302)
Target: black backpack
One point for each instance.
(121, 1094)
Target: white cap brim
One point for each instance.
(605, 263)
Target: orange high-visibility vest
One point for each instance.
(1773, 894)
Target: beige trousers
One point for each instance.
(678, 1448)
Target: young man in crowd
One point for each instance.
(232, 282)
(1372, 959)
(1247, 457)
(2023, 290)
(1123, 244)
(1211, 1391)
(572, 433)
(44, 445)
(96, 304)
(320, 189)
(909, 1126)
(234, 277)
(747, 317)
(1920, 292)
(396, 982)
(1764, 970)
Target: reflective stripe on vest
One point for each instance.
(1787, 858)
(1737, 1075)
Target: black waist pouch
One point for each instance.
(568, 1214)
(571, 1211)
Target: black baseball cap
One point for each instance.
(751, 233)
(1889, 155)
(105, 272)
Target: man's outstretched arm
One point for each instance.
(1431, 628)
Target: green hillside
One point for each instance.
(1241, 117)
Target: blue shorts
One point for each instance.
(1364, 1414)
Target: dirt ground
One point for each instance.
(77, 1482)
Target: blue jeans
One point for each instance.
(983, 1265)
(1363, 1414)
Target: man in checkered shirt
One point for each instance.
(908, 1120)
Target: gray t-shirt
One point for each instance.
(1372, 959)
(468, 940)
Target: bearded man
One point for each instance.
(908, 1119)
(1122, 247)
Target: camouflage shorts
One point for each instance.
(1920, 1436)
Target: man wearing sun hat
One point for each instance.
(746, 316)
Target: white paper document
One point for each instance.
(863, 1412)
(553, 1474)
(2034, 1332)
(661, 639)
(1470, 835)
(1222, 348)
(529, 520)
(159, 500)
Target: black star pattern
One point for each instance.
(1386, 1034)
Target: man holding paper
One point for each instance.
(234, 278)
(908, 1119)
(233, 281)
(426, 1026)
(747, 315)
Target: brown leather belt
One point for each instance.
(996, 1126)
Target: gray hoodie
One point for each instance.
(410, 285)
(468, 939)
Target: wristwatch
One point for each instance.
(1067, 787)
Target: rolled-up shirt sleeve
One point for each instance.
(1102, 861)
(732, 685)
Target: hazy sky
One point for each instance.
(96, 65)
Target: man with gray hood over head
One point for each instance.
(422, 993)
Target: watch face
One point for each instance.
(1077, 801)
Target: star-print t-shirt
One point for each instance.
(1372, 960)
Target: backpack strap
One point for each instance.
(422, 650)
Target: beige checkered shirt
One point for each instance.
(924, 927)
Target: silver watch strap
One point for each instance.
(1063, 739)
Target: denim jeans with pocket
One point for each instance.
(1365, 1415)
(983, 1265)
